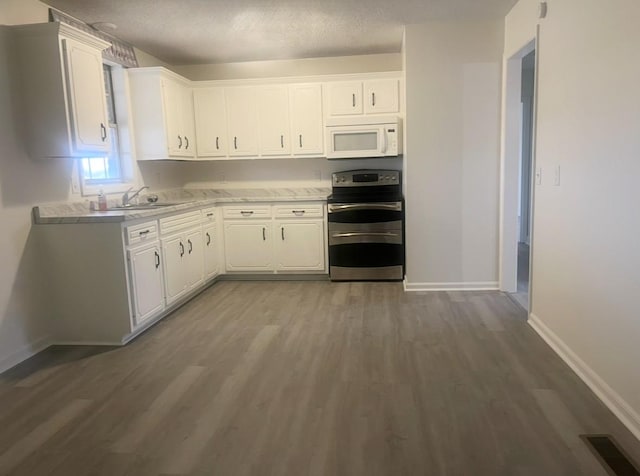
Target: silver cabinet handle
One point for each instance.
(353, 100)
(144, 232)
(235, 142)
(298, 213)
(179, 142)
(365, 206)
(103, 132)
(350, 235)
(264, 234)
(209, 214)
(217, 143)
(181, 249)
(373, 99)
(300, 137)
(246, 213)
(187, 141)
(208, 238)
(190, 246)
(282, 232)
(157, 259)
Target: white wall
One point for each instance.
(452, 155)
(586, 258)
(296, 67)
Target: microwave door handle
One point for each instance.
(384, 141)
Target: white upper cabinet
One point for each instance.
(273, 118)
(373, 96)
(345, 98)
(242, 121)
(63, 99)
(306, 119)
(162, 109)
(178, 107)
(87, 96)
(382, 96)
(211, 122)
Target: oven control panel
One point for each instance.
(364, 178)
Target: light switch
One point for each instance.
(556, 176)
(539, 176)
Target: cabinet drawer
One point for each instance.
(141, 233)
(209, 215)
(302, 210)
(249, 211)
(178, 222)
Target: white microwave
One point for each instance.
(353, 137)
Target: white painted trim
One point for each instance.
(614, 402)
(467, 286)
(23, 354)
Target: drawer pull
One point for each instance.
(144, 232)
(264, 234)
(190, 246)
(208, 238)
(181, 249)
(209, 214)
(246, 213)
(157, 259)
(298, 213)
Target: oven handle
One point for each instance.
(365, 206)
(350, 235)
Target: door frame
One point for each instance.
(511, 143)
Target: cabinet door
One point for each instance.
(210, 251)
(172, 100)
(86, 95)
(187, 127)
(306, 119)
(382, 96)
(173, 251)
(194, 257)
(248, 246)
(345, 98)
(273, 120)
(242, 121)
(146, 282)
(299, 245)
(211, 122)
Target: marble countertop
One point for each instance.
(182, 200)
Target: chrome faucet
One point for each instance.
(126, 199)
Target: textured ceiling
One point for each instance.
(221, 31)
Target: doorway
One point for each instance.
(526, 173)
(517, 171)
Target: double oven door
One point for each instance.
(366, 241)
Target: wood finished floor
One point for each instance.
(309, 378)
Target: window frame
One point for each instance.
(129, 175)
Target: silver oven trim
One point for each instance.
(339, 207)
(340, 273)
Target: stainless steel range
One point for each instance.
(366, 226)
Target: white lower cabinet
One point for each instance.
(280, 238)
(145, 271)
(248, 245)
(183, 253)
(211, 250)
(299, 245)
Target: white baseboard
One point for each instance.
(468, 286)
(23, 354)
(614, 402)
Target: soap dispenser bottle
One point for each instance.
(102, 201)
